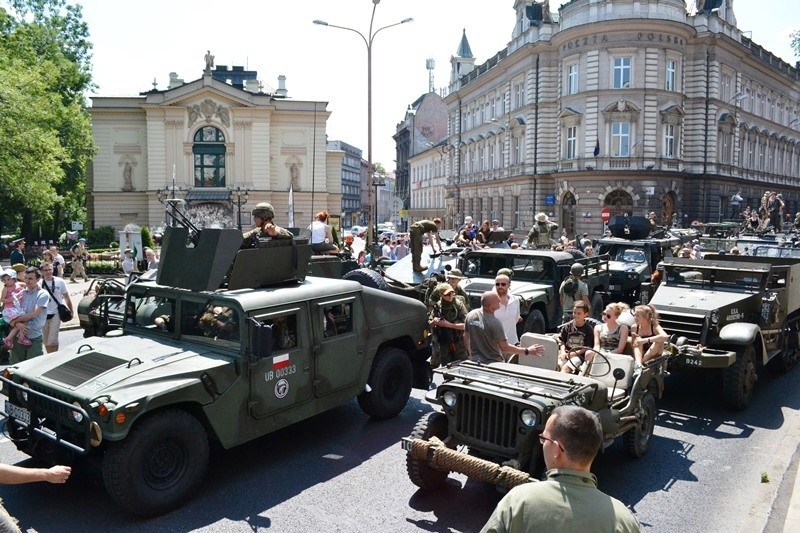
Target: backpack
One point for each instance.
(570, 286)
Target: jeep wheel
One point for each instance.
(390, 384)
(432, 424)
(367, 278)
(535, 323)
(597, 306)
(739, 379)
(637, 439)
(159, 465)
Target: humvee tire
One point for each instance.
(390, 381)
(739, 379)
(159, 465)
(637, 440)
(433, 424)
(367, 278)
(535, 323)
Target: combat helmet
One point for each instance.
(264, 211)
(576, 269)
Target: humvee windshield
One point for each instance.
(775, 251)
(714, 277)
(623, 253)
(524, 268)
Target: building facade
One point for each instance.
(202, 140)
(628, 106)
(351, 183)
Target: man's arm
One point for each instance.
(16, 475)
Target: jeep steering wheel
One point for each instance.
(604, 363)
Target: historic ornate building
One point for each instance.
(631, 105)
(201, 141)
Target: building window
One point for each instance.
(209, 157)
(519, 95)
(669, 140)
(572, 79)
(620, 139)
(572, 142)
(517, 156)
(671, 75)
(725, 90)
(622, 72)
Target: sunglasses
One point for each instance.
(449, 294)
(543, 439)
(500, 284)
(607, 315)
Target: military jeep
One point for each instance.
(737, 314)
(224, 353)
(499, 410)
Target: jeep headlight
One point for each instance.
(529, 418)
(449, 398)
(715, 317)
(77, 416)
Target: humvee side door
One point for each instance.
(338, 345)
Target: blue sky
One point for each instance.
(137, 41)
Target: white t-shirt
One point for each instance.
(317, 232)
(386, 250)
(508, 315)
(59, 288)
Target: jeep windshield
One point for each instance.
(525, 268)
(732, 276)
(623, 253)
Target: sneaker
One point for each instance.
(23, 340)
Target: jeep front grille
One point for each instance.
(490, 421)
(689, 326)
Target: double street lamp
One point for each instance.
(368, 40)
(238, 197)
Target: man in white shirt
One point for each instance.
(128, 264)
(386, 249)
(508, 313)
(57, 289)
(58, 262)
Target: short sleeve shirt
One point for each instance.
(485, 335)
(32, 300)
(575, 337)
(508, 315)
(569, 301)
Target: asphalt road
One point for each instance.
(341, 471)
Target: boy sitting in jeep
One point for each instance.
(576, 340)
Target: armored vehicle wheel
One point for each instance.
(790, 350)
(432, 424)
(637, 439)
(597, 306)
(368, 278)
(390, 383)
(535, 322)
(159, 465)
(739, 379)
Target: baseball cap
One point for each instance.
(81, 240)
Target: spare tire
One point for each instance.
(367, 278)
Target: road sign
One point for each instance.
(396, 204)
(605, 214)
(404, 212)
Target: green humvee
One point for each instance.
(195, 364)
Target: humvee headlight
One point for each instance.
(714, 317)
(528, 418)
(449, 398)
(77, 416)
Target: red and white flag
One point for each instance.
(280, 361)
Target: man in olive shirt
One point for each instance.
(431, 227)
(484, 335)
(569, 499)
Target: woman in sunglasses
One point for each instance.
(610, 336)
(647, 336)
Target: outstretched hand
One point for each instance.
(58, 474)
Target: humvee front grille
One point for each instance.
(689, 326)
(490, 421)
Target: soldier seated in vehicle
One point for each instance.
(577, 340)
(219, 323)
(263, 213)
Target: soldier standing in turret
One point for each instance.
(539, 236)
(263, 213)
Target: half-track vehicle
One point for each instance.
(222, 350)
(737, 314)
(634, 255)
(497, 411)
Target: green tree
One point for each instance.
(46, 40)
(795, 36)
(147, 239)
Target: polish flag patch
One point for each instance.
(280, 361)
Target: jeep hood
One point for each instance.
(624, 266)
(140, 366)
(674, 299)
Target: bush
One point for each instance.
(147, 238)
(102, 267)
(101, 237)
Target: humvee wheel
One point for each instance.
(597, 306)
(637, 439)
(367, 278)
(390, 380)
(739, 379)
(159, 465)
(433, 424)
(535, 322)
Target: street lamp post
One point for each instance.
(377, 181)
(368, 40)
(238, 197)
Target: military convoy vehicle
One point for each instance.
(737, 314)
(634, 255)
(223, 351)
(499, 410)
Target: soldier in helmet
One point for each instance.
(573, 289)
(447, 322)
(263, 213)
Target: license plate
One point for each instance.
(20, 413)
(615, 287)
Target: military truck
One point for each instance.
(537, 277)
(737, 313)
(221, 352)
(633, 258)
(499, 410)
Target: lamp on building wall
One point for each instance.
(368, 41)
(238, 197)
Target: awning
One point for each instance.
(213, 195)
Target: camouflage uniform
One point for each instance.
(539, 236)
(266, 213)
(448, 343)
(415, 231)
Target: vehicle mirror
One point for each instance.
(260, 339)
(619, 374)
